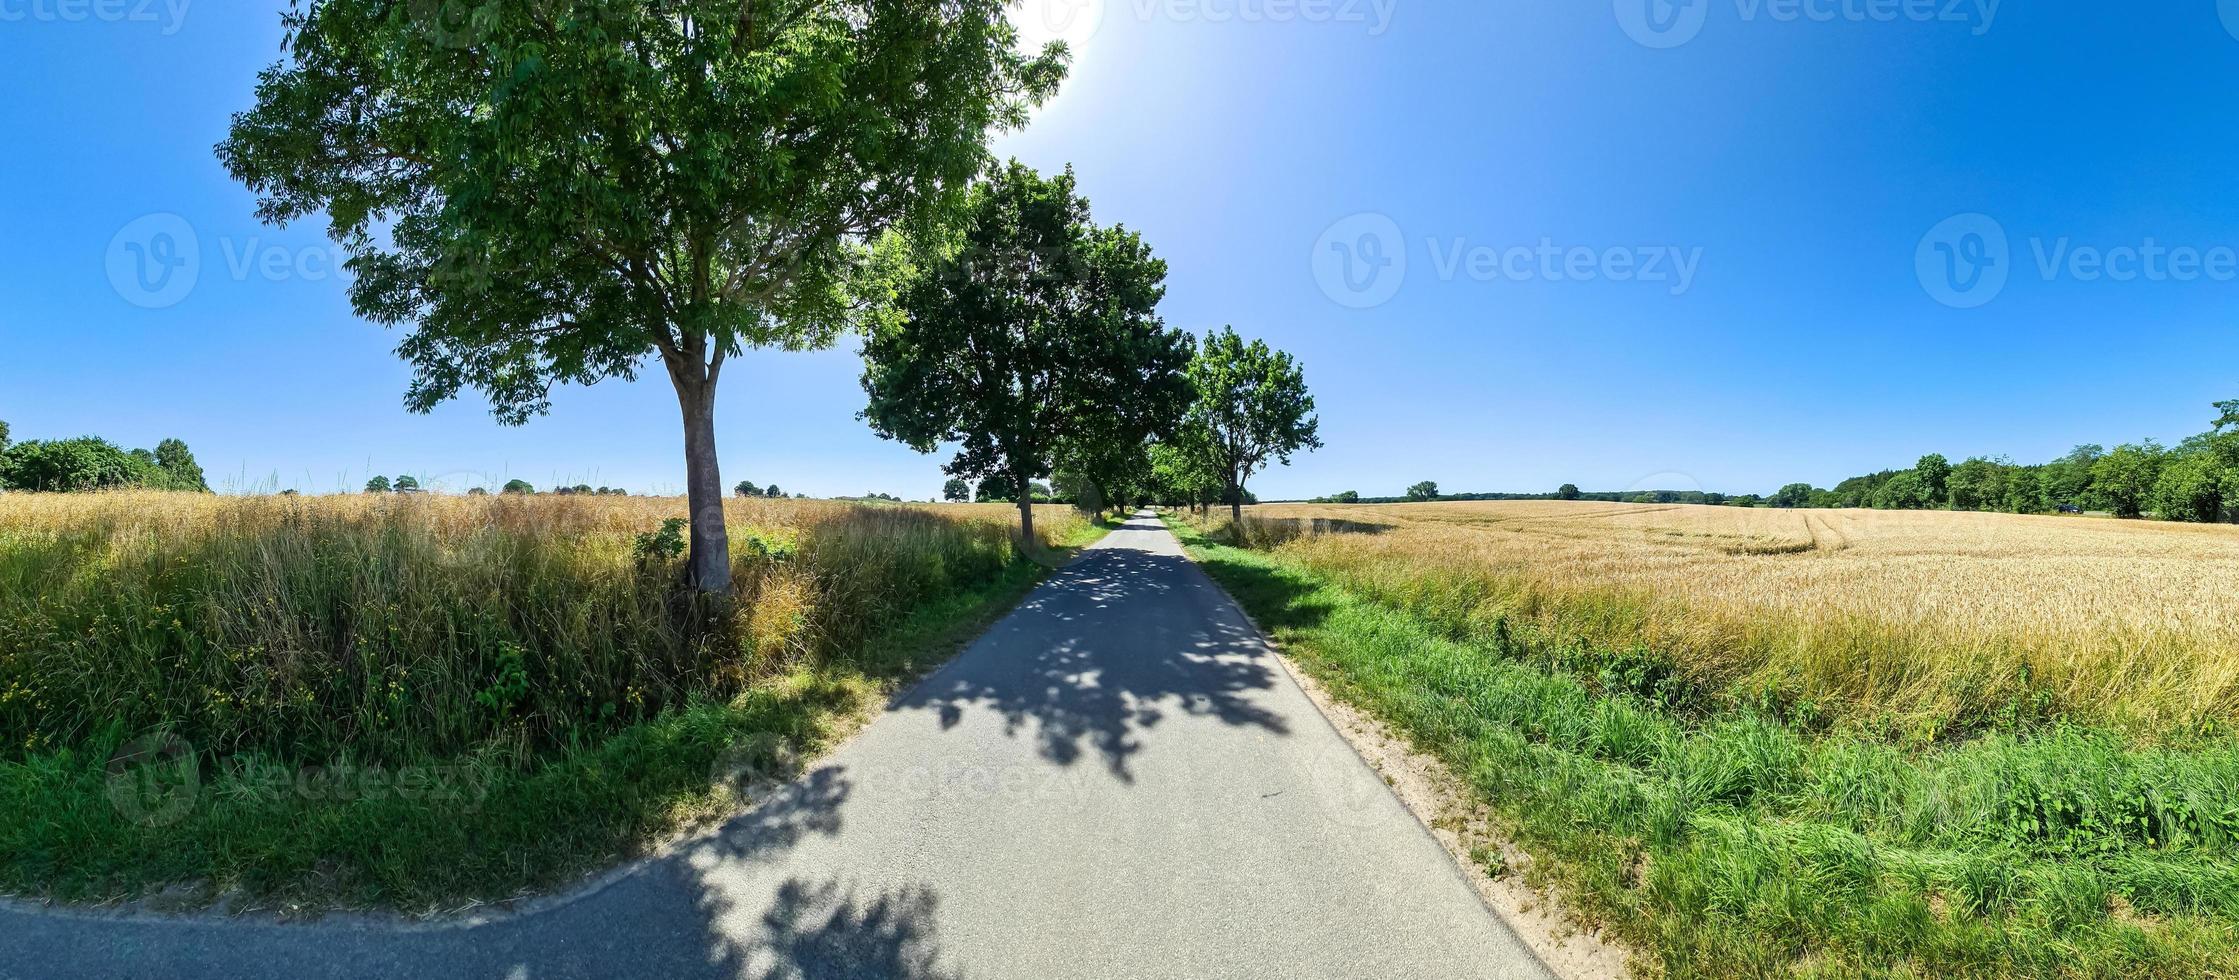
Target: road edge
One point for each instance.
(1434, 795)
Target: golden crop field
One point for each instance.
(1925, 618)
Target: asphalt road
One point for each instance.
(1117, 781)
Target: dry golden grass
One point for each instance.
(1925, 618)
(522, 651)
(449, 514)
(402, 625)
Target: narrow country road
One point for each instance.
(1117, 781)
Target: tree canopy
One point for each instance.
(558, 192)
(1252, 408)
(1025, 331)
(90, 463)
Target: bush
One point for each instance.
(72, 466)
(89, 464)
(2192, 489)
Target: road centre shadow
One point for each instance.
(1110, 648)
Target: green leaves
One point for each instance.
(550, 192)
(90, 463)
(1024, 330)
(1252, 407)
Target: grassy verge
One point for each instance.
(528, 801)
(1731, 842)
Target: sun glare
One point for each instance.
(1074, 22)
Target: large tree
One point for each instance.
(1252, 409)
(180, 470)
(1025, 331)
(564, 191)
(2124, 479)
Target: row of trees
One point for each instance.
(544, 200)
(746, 488)
(1028, 337)
(2197, 480)
(1429, 491)
(411, 484)
(90, 463)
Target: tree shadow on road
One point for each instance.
(1106, 651)
(828, 930)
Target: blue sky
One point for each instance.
(1802, 161)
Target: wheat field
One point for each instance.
(1925, 619)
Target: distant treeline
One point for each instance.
(2195, 481)
(91, 463)
(1568, 493)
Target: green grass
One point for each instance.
(486, 800)
(1731, 842)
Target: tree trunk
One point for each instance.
(1236, 503)
(703, 487)
(1025, 509)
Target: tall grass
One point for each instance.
(1729, 835)
(527, 637)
